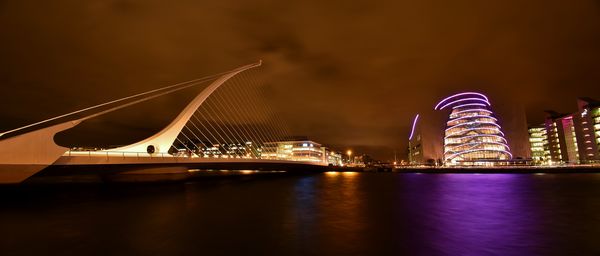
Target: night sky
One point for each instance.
(345, 73)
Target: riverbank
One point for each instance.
(503, 169)
(197, 174)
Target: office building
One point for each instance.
(587, 128)
(538, 141)
(333, 158)
(295, 149)
(569, 138)
(425, 141)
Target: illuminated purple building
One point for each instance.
(473, 135)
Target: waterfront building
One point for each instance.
(425, 140)
(228, 150)
(562, 138)
(569, 138)
(473, 135)
(415, 147)
(333, 158)
(225, 150)
(362, 160)
(295, 149)
(538, 141)
(587, 128)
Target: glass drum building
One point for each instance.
(473, 135)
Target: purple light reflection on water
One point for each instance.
(480, 214)
(499, 214)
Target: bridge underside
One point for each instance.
(163, 171)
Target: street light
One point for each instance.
(349, 153)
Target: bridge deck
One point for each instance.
(120, 158)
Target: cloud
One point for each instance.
(349, 73)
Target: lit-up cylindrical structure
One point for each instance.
(473, 135)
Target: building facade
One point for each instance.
(295, 150)
(425, 141)
(562, 138)
(333, 158)
(587, 128)
(472, 135)
(569, 138)
(538, 141)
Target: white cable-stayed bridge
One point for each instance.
(227, 125)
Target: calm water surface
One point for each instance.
(320, 214)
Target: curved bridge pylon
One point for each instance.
(162, 141)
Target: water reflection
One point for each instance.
(480, 214)
(322, 214)
(341, 208)
(328, 213)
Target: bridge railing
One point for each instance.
(113, 154)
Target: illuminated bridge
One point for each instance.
(225, 126)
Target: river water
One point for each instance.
(318, 214)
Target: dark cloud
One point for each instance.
(347, 73)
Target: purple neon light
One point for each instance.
(474, 122)
(458, 144)
(465, 99)
(475, 150)
(461, 94)
(471, 149)
(446, 150)
(479, 149)
(474, 116)
(477, 135)
(469, 104)
(478, 143)
(451, 146)
(476, 128)
(412, 131)
(481, 135)
(472, 110)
